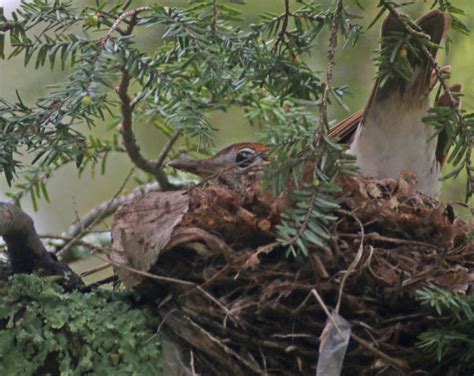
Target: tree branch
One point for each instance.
(133, 13)
(7, 26)
(128, 137)
(25, 248)
(26, 252)
(284, 28)
(126, 127)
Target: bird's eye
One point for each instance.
(245, 157)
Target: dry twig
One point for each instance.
(323, 108)
(79, 234)
(106, 209)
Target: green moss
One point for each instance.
(44, 330)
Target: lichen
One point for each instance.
(45, 330)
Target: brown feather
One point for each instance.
(344, 131)
(259, 148)
(436, 24)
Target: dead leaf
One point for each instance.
(141, 230)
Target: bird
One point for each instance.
(238, 165)
(389, 135)
(387, 138)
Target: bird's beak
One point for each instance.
(202, 167)
(187, 165)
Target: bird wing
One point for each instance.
(345, 129)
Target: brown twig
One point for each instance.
(324, 124)
(126, 109)
(284, 28)
(105, 209)
(386, 239)
(304, 225)
(191, 363)
(7, 26)
(108, 250)
(356, 259)
(93, 247)
(169, 280)
(323, 305)
(132, 13)
(167, 148)
(323, 108)
(128, 137)
(95, 269)
(398, 363)
(67, 247)
(105, 281)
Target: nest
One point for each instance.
(230, 299)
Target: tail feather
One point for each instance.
(436, 25)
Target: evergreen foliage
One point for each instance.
(453, 340)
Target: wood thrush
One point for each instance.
(237, 165)
(386, 138)
(389, 136)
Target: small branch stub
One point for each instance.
(26, 252)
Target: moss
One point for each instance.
(44, 330)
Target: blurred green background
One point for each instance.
(72, 196)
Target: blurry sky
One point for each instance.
(71, 196)
(9, 6)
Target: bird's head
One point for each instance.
(230, 165)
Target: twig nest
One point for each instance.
(395, 209)
(233, 300)
(146, 227)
